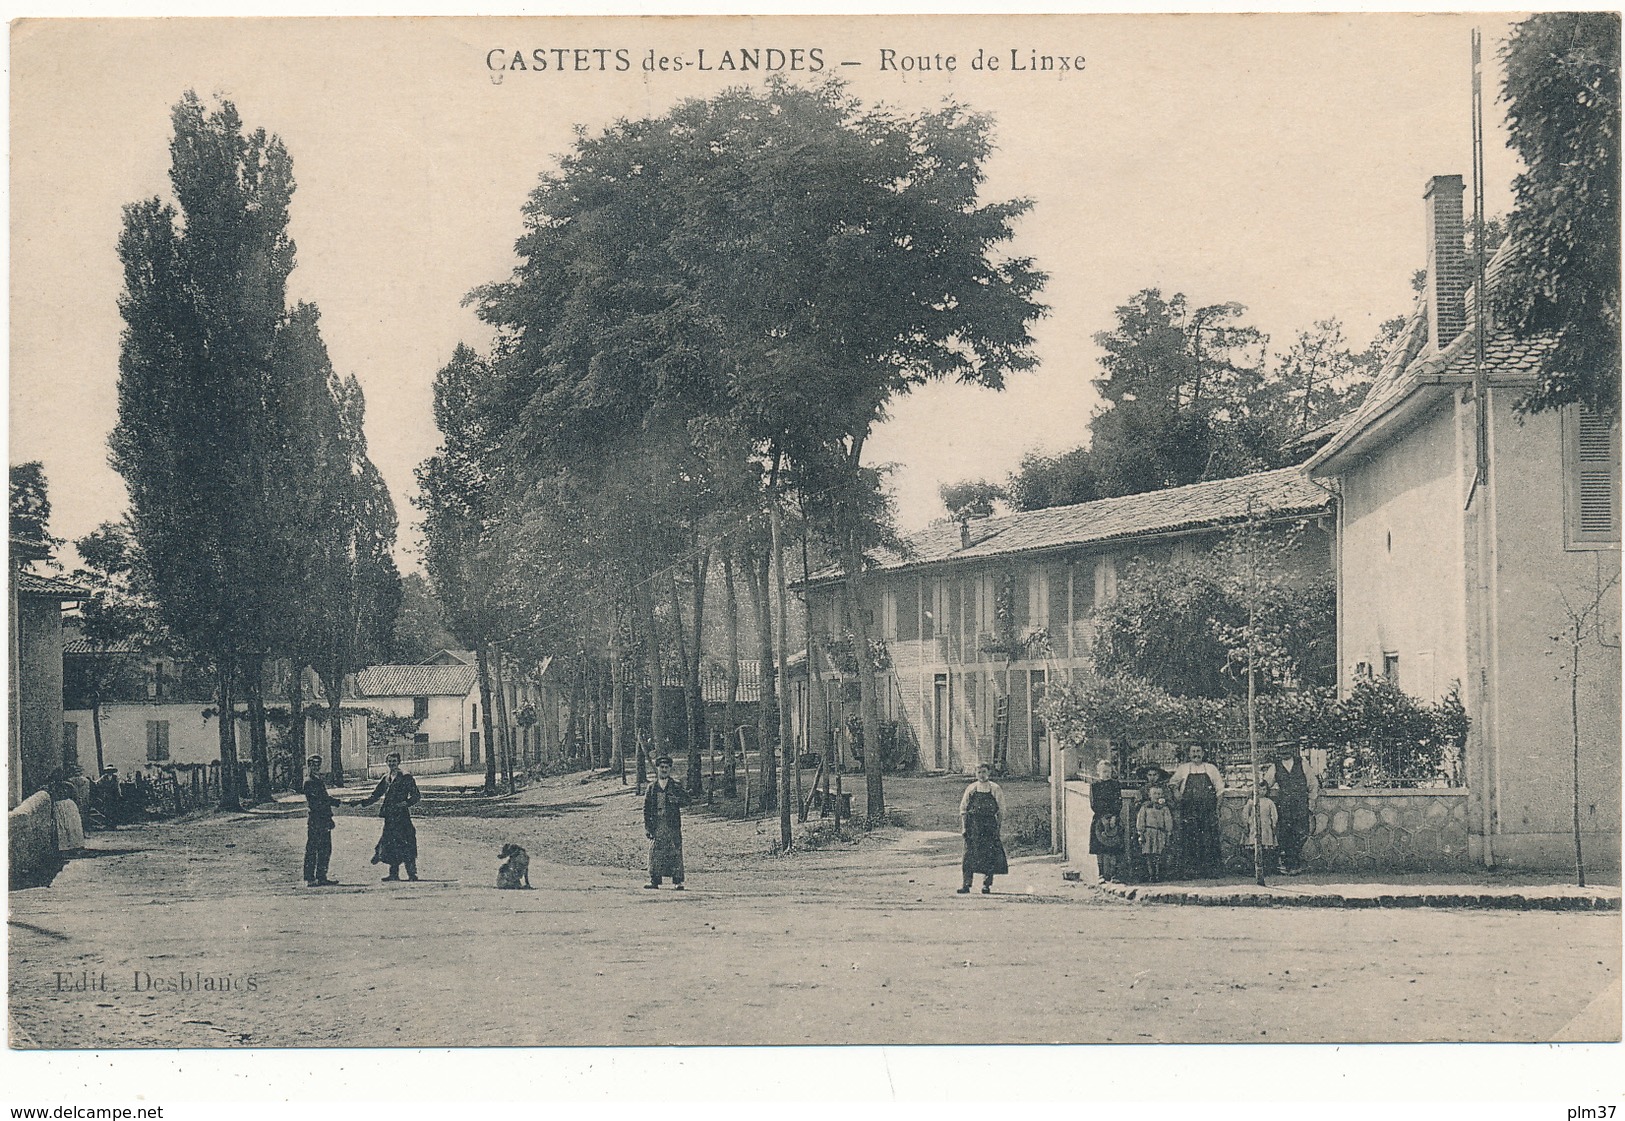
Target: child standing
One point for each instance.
(1152, 826)
(1262, 826)
(1106, 840)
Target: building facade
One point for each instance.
(979, 619)
(1471, 539)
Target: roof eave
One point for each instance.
(1179, 530)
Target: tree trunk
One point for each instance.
(657, 707)
(259, 744)
(506, 735)
(572, 714)
(225, 711)
(786, 739)
(690, 665)
(697, 736)
(756, 577)
(482, 664)
(868, 693)
(96, 727)
(730, 719)
(1574, 727)
(335, 724)
(617, 690)
(296, 728)
(642, 776)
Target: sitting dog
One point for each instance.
(515, 870)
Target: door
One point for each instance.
(940, 723)
(1035, 723)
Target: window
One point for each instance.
(908, 609)
(473, 747)
(1084, 575)
(1057, 622)
(420, 708)
(157, 741)
(1590, 479)
(420, 737)
(70, 746)
(1390, 667)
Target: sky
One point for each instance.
(1274, 160)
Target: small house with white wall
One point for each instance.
(444, 699)
(1469, 535)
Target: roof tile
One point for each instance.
(415, 681)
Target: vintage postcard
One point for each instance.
(814, 530)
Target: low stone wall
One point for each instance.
(441, 766)
(33, 840)
(1368, 831)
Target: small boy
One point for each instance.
(1265, 837)
(1153, 825)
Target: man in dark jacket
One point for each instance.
(399, 843)
(663, 822)
(318, 825)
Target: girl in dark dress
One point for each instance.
(399, 843)
(981, 811)
(1106, 833)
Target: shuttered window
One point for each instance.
(157, 741)
(908, 609)
(1593, 483)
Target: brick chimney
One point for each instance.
(1447, 260)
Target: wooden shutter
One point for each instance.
(1596, 482)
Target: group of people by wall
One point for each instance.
(1164, 824)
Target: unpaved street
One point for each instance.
(852, 944)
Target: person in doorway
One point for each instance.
(1262, 827)
(1297, 791)
(1197, 786)
(1153, 826)
(981, 816)
(663, 822)
(318, 825)
(1106, 833)
(399, 843)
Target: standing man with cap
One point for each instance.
(663, 822)
(318, 825)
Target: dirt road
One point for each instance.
(201, 934)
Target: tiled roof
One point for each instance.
(1279, 493)
(30, 584)
(714, 681)
(85, 646)
(415, 681)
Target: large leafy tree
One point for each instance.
(1191, 394)
(785, 259)
(31, 506)
(117, 618)
(1562, 277)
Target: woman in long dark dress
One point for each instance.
(399, 843)
(1197, 786)
(981, 812)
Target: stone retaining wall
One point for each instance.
(1368, 831)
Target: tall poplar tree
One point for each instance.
(204, 296)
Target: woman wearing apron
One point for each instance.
(1197, 785)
